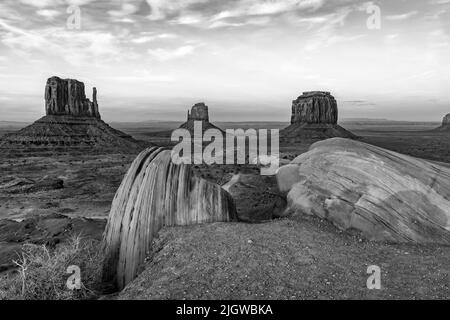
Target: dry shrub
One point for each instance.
(41, 273)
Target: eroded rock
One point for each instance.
(155, 193)
(67, 97)
(199, 113)
(72, 124)
(382, 194)
(314, 116)
(257, 197)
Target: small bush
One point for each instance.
(42, 273)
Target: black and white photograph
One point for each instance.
(224, 156)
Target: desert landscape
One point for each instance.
(51, 192)
(248, 150)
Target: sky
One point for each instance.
(246, 59)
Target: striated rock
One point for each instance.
(314, 116)
(72, 124)
(156, 193)
(67, 97)
(199, 112)
(382, 194)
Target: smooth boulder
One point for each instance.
(384, 195)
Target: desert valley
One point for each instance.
(62, 176)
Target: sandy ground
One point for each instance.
(303, 258)
(90, 182)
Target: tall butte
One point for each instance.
(72, 123)
(314, 116)
(199, 112)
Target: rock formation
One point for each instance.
(382, 194)
(199, 112)
(445, 124)
(67, 97)
(155, 193)
(72, 124)
(314, 116)
(257, 197)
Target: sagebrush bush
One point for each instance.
(41, 273)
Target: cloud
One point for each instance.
(403, 16)
(42, 3)
(166, 54)
(153, 37)
(48, 13)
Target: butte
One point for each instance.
(72, 124)
(314, 116)
(445, 124)
(199, 112)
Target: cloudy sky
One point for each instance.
(247, 59)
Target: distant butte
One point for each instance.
(199, 112)
(72, 124)
(445, 124)
(314, 116)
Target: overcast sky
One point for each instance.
(247, 59)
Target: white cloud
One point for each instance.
(403, 16)
(48, 13)
(166, 54)
(151, 38)
(42, 3)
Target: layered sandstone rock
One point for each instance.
(155, 193)
(382, 194)
(72, 124)
(67, 97)
(314, 108)
(314, 116)
(199, 112)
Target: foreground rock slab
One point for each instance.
(384, 195)
(155, 193)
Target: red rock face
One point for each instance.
(315, 107)
(68, 97)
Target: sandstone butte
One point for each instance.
(314, 116)
(199, 112)
(72, 124)
(154, 193)
(384, 195)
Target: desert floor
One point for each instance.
(292, 258)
